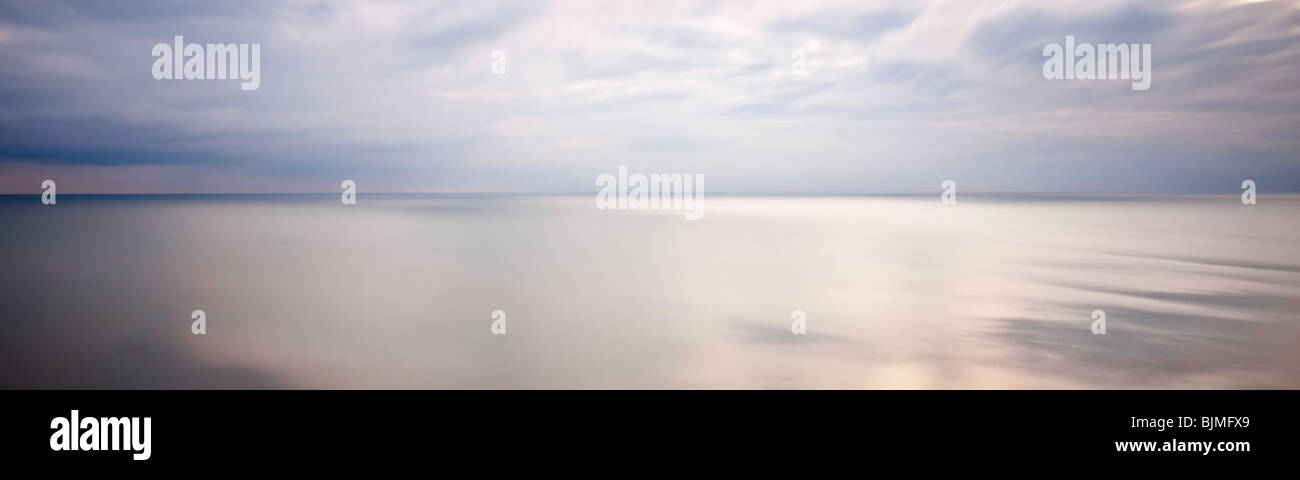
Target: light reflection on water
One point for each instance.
(900, 292)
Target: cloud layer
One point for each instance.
(896, 97)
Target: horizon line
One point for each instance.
(756, 194)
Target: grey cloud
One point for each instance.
(403, 91)
(864, 26)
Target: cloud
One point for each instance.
(896, 95)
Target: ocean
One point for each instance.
(896, 292)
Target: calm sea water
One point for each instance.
(899, 292)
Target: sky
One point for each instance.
(893, 97)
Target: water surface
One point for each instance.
(899, 292)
